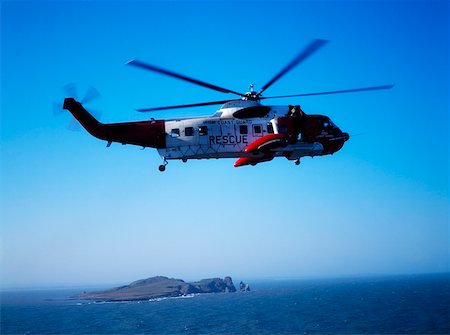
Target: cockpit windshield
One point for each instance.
(328, 124)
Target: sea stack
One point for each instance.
(243, 287)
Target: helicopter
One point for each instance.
(242, 128)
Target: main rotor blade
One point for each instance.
(313, 46)
(183, 106)
(373, 88)
(146, 66)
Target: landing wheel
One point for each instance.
(162, 167)
(184, 160)
(297, 162)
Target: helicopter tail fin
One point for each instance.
(91, 124)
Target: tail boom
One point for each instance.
(143, 133)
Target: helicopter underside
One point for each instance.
(291, 152)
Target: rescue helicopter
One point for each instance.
(242, 128)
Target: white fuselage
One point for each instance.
(220, 135)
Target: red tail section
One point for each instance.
(143, 133)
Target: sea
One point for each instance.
(413, 304)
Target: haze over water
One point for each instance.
(394, 305)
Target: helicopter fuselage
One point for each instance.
(242, 129)
(225, 136)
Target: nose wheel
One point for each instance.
(297, 162)
(162, 167)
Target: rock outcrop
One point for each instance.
(215, 285)
(160, 287)
(243, 287)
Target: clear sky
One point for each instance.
(76, 212)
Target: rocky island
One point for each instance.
(161, 287)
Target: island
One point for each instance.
(160, 287)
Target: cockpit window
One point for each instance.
(329, 124)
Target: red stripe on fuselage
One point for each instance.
(265, 140)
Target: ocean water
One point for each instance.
(418, 304)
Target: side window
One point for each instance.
(175, 132)
(189, 131)
(257, 130)
(269, 128)
(203, 130)
(243, 129)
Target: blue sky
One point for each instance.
(76, 212)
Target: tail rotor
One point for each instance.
(71, 91)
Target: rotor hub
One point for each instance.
(251, 95)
